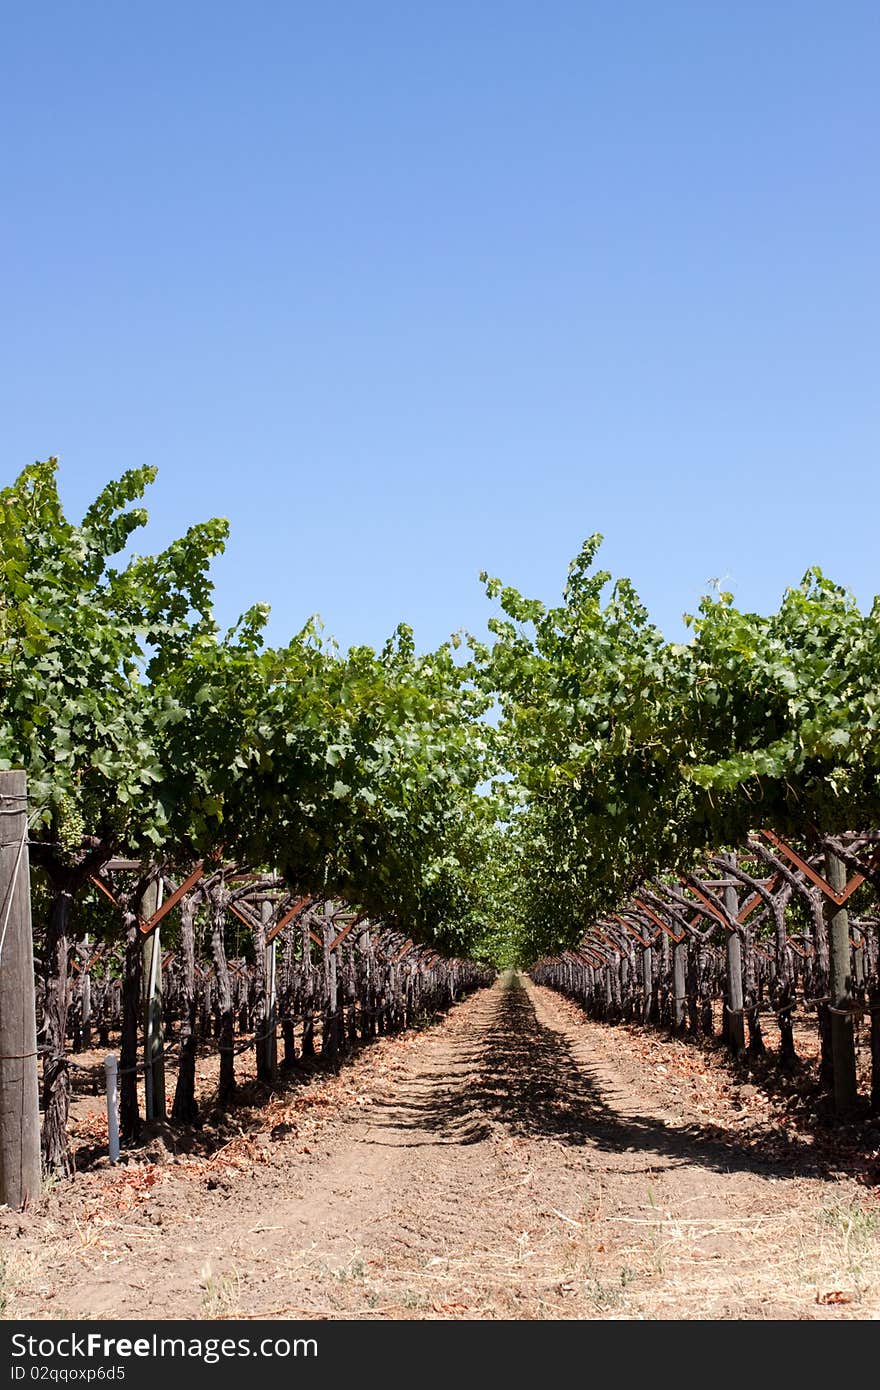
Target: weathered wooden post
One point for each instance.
(679, 983)
(368, 1014)
(86, 994)
(330, 1045)
(265, 1020)
(308, 990)
(291, 988)
(272, 999)
(663, 980)
(19, 1089)
(736, 1023)
(154, 1032)
(843, 1049)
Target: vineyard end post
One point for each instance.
(19, 1086)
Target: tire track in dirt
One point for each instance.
(509, 1162)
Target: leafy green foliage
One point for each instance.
(630, 755)
(79, 641)
(146, 731)
(788, 705)
(380, 777)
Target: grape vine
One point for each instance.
(611, 823)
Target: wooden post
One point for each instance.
(290, 996)
(272, 1001)
(736, 1023)
(679, 986)
(308, 990)
(663, 980)
(19, 1088)
(267, 1055)
(330, 1044)
(704, 976)
(86, 995)
(843, 1050)
(223, 996)
(367, 1011)
(154, 1033)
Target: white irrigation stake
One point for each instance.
(110, 1066)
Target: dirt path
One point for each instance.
(513, 1161)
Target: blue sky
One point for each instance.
(409, 291)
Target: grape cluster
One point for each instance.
(69, 827)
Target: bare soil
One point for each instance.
(512, 1161)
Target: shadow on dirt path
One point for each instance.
(522, 1075)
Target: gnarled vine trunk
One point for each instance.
(56, 1096)
(132, 974)
(226, 1087)
(185, 1109)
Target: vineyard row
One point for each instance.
(310, 974)
(771, 932)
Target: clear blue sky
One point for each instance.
(411, 290)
